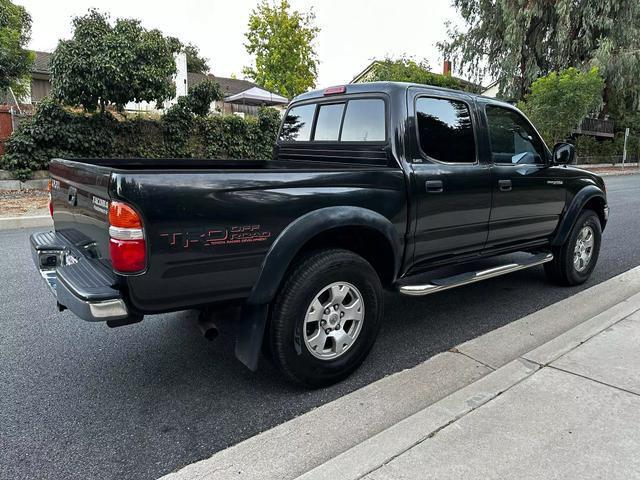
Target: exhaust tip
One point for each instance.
(210, 333)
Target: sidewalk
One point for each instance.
(544, 396)
(567, 409)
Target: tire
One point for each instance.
(296, 342)
(564, 269)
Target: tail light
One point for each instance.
(50, 199)
(127, 245)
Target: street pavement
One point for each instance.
(80, 400)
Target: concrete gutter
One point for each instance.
(338, 429)
(10, 223)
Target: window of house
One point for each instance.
(445, 130)
(512, 139)
(297, 124)
(364, 121)
(328, 122)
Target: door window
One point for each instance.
(445, 130)
(513, 140)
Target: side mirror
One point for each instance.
(564, 154)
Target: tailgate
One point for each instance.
(80, 197)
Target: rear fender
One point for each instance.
(289, 243)
(297, 234)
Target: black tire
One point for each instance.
(309, 276)
(561, 269)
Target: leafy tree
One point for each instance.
(15, 60)
(202, 95)
(406, 69)
(105, 63)
(516, 42)
(282, 42)
(195, 63)
(558, 102)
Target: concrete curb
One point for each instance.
(389, 444)
(335, 428)
(11, 223)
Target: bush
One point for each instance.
(202, 95)
(57, 132)
(590, 150)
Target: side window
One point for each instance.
(445, 130)
(364, 121)
(328, 122)
(297, 124)
(512, 139)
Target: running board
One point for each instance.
(440, 284)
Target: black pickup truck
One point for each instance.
(372, 186)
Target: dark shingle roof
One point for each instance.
(41, 64)
(230, 86)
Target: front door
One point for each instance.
(528, 196)
(452, 187)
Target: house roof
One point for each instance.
(364, 74)
(42, 63)
(233, 87)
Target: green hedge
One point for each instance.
(57, 132)
(601, 151)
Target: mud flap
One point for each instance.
(253, 320)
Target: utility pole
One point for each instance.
(624, 150)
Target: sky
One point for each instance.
(352, 32)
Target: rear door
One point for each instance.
(451, 185)
(528, 196)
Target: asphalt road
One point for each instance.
(80, 400)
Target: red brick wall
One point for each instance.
(6, 125)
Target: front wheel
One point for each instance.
(574, 261)
(325, 317)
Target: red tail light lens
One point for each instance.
(127, 245)
(128, 256)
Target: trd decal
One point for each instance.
(211, 237)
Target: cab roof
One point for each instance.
(393, 88)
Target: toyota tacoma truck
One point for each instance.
(375, 186)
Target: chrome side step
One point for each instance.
(440, 284)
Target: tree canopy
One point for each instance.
(15, 59)
(282, 44)
(405, 69)
(558, 102)
(195, 62)
(105, 63)
(517, 42)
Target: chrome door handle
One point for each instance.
(505, 185)
(434, 186)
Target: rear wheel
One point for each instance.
(325, 317)
(574, 261)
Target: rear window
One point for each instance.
(358, 120)
(297, 124)
(328, 123)
(364, 121)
